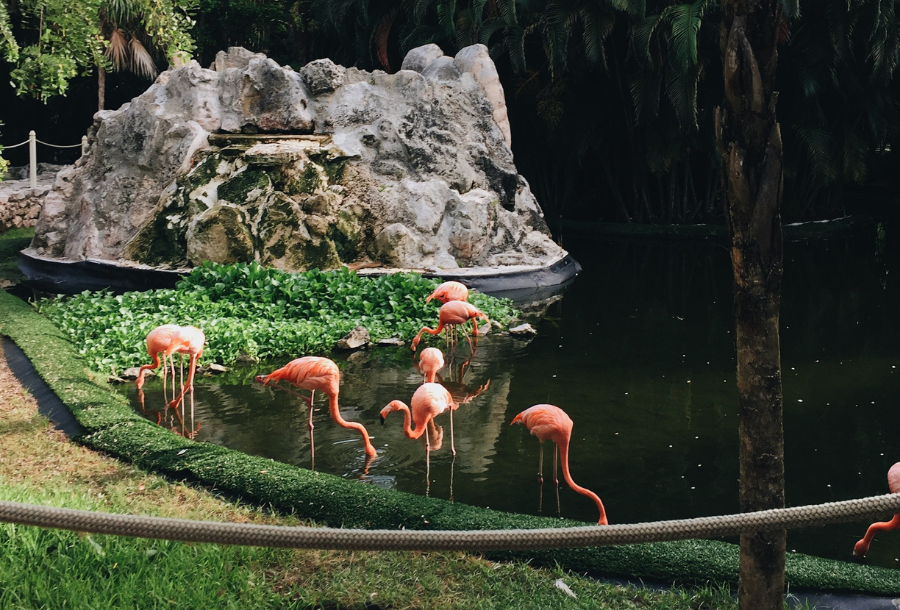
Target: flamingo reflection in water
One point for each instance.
(178, 428)
(315, 373)
(549, 422)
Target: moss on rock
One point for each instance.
(220, 236)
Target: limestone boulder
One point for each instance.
(319, 167)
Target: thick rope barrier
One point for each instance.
(443, 540)
(15, 145)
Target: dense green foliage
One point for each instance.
(249, 311)
(50, 42)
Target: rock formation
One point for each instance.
(324, 166)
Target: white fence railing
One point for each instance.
(32, 142)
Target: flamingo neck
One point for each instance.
(336, 416)
(862, 547)
(407, 424)
(564, 458)
(153, 365)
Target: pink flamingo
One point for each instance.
(188, 340)
(453, 313)
(159, 340)
(314, 373)
(431, 360)
(548, 422)
(450, 291)
(428, 401)
(862, 547)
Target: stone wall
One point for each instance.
(20, 205)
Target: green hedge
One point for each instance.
(112, 426)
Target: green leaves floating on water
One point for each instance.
(250, 311)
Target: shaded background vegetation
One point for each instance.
(610, 101)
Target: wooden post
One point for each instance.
(32, 158)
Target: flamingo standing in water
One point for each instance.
(188, 340)
(862, 547)
(450, 291)
(548, 422)
(428, 401)
(314, 373)
(159, 340)
(453, 313)
(431, 360)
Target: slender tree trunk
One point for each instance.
(749, 140)
(101, 88)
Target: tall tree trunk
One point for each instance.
(101, 88)
(749, 140)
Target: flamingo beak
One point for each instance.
(261, 379)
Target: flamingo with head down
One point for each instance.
(450, 291)
(159, 340)
(315, 373)
(549, 422)
(452, 314)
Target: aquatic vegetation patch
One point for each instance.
(252, 312)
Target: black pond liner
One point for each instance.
(61, 276)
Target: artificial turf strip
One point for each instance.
(112, 426)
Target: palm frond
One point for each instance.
(685, 20)
(790, 9)
(816, 142)
(117, 50)
(516, 46)
(381, 35)
(634, 8)
(642, 33)
(597, 27)
(141, 62)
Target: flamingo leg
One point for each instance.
(452, 447)
(427, 462)
(312, 448)
(541, 464)
(555, 455)
(309, 402)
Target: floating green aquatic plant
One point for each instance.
(252, 312)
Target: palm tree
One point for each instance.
(122, 22)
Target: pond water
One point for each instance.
(639, 350)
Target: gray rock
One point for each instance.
(524, 330)
(315, 168)
(322, 76)
(356, 338)
(391, 342)
(133, 372)
(419, 58)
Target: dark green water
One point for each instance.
(639, 351)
